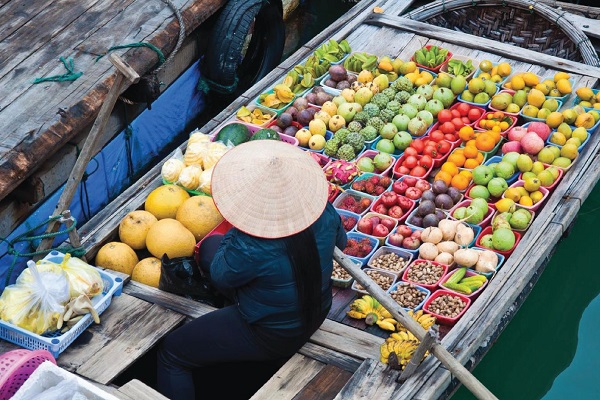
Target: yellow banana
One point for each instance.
(387, 325)
(356, 314)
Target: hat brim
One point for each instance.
(269, 188)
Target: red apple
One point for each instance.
(410, 180)
(416, 234)
(389, 222)
(375, 220)
(422, 185)
(389, 199)
(404, 230)
(380, 230)
(411, 243)
(396, 212)
(413, 193)
(399, 187)
(395, 239)
(365, 226)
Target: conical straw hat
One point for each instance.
(269, 188)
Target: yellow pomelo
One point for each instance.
(164, 201)
(147, 271)
(117, 256)
(134, 228)
(199, 215)
(169, 236)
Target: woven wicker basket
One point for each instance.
(526, 24)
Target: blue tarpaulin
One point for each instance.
(113, 169)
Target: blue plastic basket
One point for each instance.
(419, 288)
(57, 342)
(497, 159)
(578, 100)
(358, 236)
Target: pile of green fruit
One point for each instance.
(430, 57)
(459, 68)
(333, 51)
(359, 61)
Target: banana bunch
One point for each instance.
(369, 309)
(468, 285)
(314, 66)
(431, 57)
(459, 68)
(358, 61)
(424, 319)
(333, 51)
(297, 82)
(398, 349)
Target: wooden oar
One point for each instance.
(124, 72)
(445, 357)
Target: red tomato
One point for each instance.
(466, 120)
(451, 137)
(448, 127)
(410, 162)
(444, 116)
(411, 151)
(430, 151)
(418, 145)
(426, 162)
(437, 135)
(455, 113)
(474, 114)
(402, 170)
(418, 171)
(463, 109)
(458, 123)
(444, 147)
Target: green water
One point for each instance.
(549, 350)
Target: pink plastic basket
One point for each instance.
(16, 366)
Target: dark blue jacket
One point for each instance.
(260, 272)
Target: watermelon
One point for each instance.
(233, 134)
(265, 133)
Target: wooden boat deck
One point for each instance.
(37, 121)
(341, 360)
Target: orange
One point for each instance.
(470, 152)
(479, 157)
(450, 168)
(460, 182)
(471, 163)
(466, 133)
(457, 159)
(495, 135)
(467, 173)
(471, 142)
(460, 150)
(443, 176)
(485, 142)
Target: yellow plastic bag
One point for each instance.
(83, 278)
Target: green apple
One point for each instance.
(504, 170)
(503, 239)
(497, 186)
(482, 174)
(479, 191)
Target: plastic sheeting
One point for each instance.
(116, 166)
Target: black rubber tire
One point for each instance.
(224, 60)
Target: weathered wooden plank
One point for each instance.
(139, 390)
(373, 380)
(325, 385)
(290, 378)
(330, 357)
(15, 14)
(347, 340)
(483, 44)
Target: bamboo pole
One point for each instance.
(445, 357)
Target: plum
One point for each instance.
(444, 201)
(301, 103)
(291, 130)
(430, 220)
(338, 73)
(310, 98)
(330, 82)
(304, 117)
(439, 186)
(440, 214)
(428, 195)
(284, 120)
(341, 85)
(425, 207)
(454, 194)
(416, 220)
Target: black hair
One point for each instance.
(306, 266)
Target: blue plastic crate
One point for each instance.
(419, 288)
(358, 236)
(57, 342)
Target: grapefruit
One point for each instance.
(147, 271)
(133, 228)
(164, 201)
(117, 256)
(199, 215)
(171, 237)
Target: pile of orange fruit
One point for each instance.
(496, 121)
(454, 176)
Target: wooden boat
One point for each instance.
(341, 360)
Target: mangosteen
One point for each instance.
(425, 207)
(430, 220)
(342, 85)
(428, 195)
(317, 89)
(292, 111)
(330, 82)
(301, 102)
(338, 73)
(454, 194)
(304, 117)
(416, 220)
(444, 201)
(284, 120)
(351, 78)
(312, 111)
(439, 186)
(323, 97)
(291, 130)
(440, 214)
(277, 128)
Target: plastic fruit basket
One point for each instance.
(359, 236)
(505, 253)
(449, 321)
(491, 201)
(380, 239)
(371, 154)
(345, 283)
(537, 205)
(366, 175)
(578, 100)
(467, 274)
(328, 135)
(431, 286)
(265, 110)
(16, 366)
(511, 92)
(345, 214)
(497, 159)
(398, 164)
(253, 129)
(561, 173)
(410, 222)
(531, 119)
(57, 342)
(479, 72)
(564, 97)
(479, 107)
(414, 252)
(418, 287)
(487, 218)
(392, 277)
(437, 68)
(478, 126)
(358, 196)
(464, 59)
(489, 275)
(579, 149)
(277, 111)
(383, 250)
(402, 219)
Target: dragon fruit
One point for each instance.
(341, 172)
